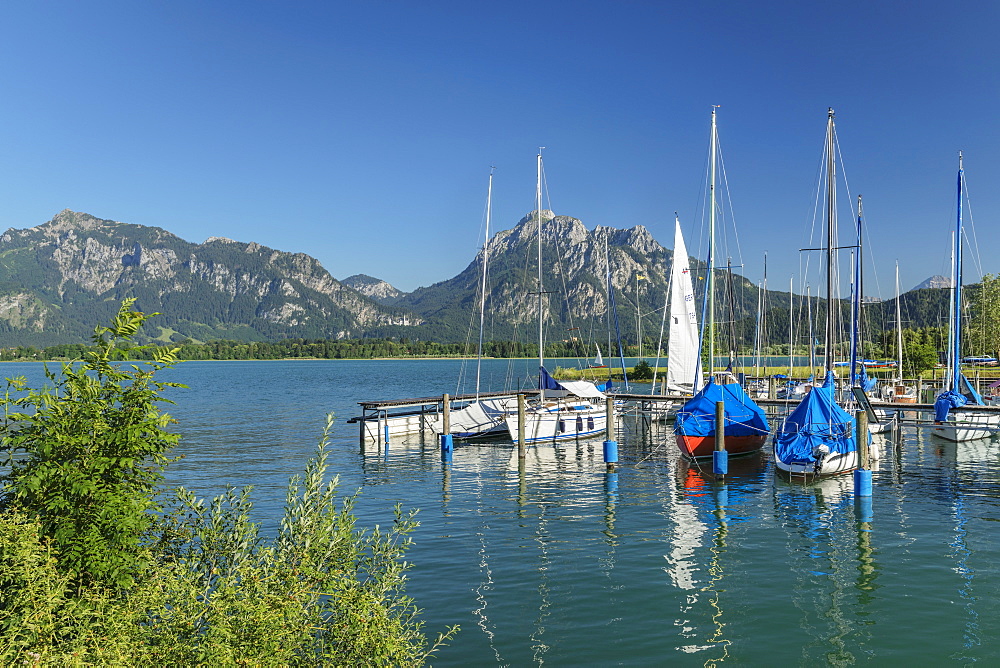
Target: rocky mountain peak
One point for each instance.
(935, 282)
(373, 288)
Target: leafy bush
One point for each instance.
(192, 583)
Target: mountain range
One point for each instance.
(61, 278)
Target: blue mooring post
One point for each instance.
(447, 447)
(610, 446)
(610, 452)
(862, 474)
(720, 462)
(720, 457)
(862, 482)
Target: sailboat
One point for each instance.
(746, 427)
(950, 421)
(898, 392)
(598, 362)
(818, 437)
(565, 409)
(481, 418)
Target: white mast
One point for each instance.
(482, 299)
(541, 290)
(899, 329)
(713, 149)
(791, 335)
(831, 224)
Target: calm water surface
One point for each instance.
(562, 563)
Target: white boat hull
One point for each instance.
(833, 464)
(965, 426)
(560, 421)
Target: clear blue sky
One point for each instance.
(362, 132)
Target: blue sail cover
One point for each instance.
(817, 420)
(547, 382)
(864, 381)
(743, 416)
(954, 399)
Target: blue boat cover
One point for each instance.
(954, 399)
(864, 381)
(817, 420)
(743, 416)
(547, 382)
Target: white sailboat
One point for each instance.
(818, 438)
(898, 392)
(565, 409)
(480, 418)
(950, 421)
(683, 361)
(745, 424)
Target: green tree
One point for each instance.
(86, 454)
(90, 574)
(642, 371)
(984, 324)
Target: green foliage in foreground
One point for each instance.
(190, 583)
(86, 455)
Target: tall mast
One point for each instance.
(899, 329)
(812, 335)
(791, 321)
(713, 149)
(831, 215)
(856, 305)
(541, 289)
(482, 300)
(956, 309)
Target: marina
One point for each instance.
(552, 559)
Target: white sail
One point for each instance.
(683, 364)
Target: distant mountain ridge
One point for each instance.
(61, 278)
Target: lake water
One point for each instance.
(561, 563)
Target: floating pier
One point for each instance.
(382, 421)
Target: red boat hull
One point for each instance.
(698, 447)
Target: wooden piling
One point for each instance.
(446, 414)
(520, 427)
(609, 414)
(720, 426)
(861, 435)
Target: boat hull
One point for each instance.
(833, 464)
(560, 423)
(964, 426)
(702, 447)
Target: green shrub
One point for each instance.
(92, 572)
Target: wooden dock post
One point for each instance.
(861, 434)
(720, 458)
(862, 474)
(520, 427)
(446, 414)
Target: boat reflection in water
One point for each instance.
(834, 569)
(699, 508)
